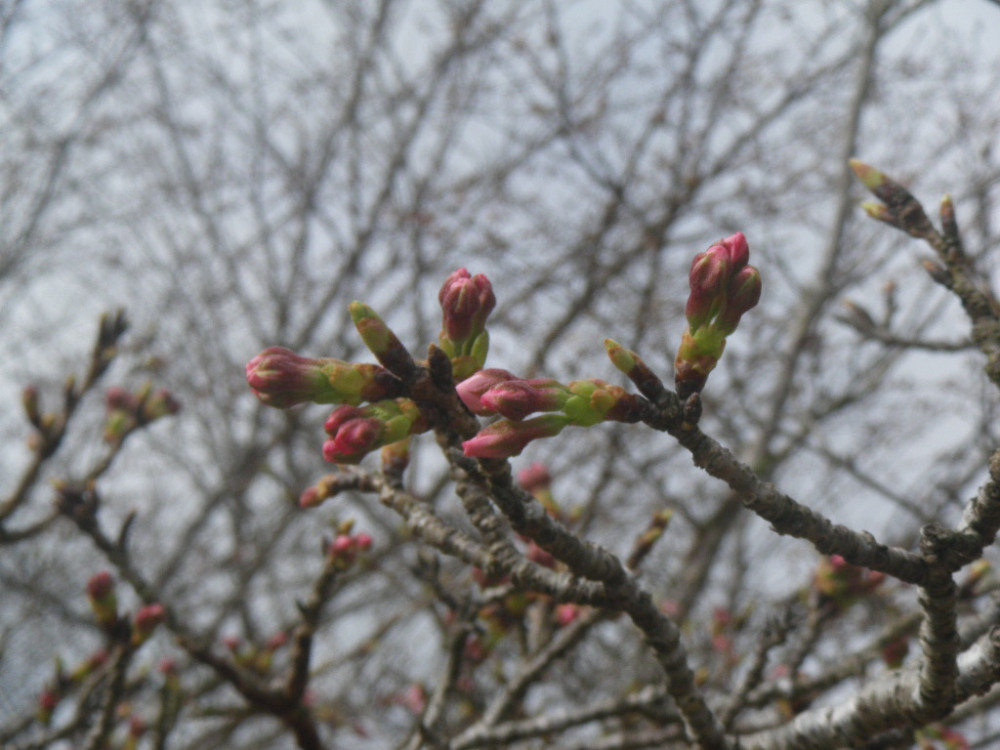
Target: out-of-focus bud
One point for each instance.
(103, 599)
(159, 403)
(940, 737)
(506, 438)
(471, 390)
(136, 728)
(117, 397)
(87, 667)
(537, 480)
(47, 703)
(466, 303)
(29, 401)
(879, 212)
(841, 584)
(146, 621)
(894, 652)
(353, 435)
(281, 378)
(344, 549)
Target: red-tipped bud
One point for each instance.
(281, 378)
(29, 400)
(895, 651)
(146, 621)
(356, 432)
(506, 438)
(516, 399)
(353, 435)
(535, 478)
(471, 389)
(742, 294)
(466, 303)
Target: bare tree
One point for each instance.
(236, 173)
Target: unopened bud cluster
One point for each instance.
(723, 288)
(103, 598)
(841, 584)
(466, 303)
(373, 412)
(581, 402)
(125, 410)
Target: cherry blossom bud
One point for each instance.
(506, 438)
(516, 399)
(742, 294)
(103, 599)
(471, 389)
(708, 278)
(145, 622)
(353, 435)
(466, 303)
(355, 432)
(281, 378)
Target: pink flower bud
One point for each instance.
(353, 435)
(355, 432)
(466, 303)
(471, 389)
(737, 250)
(742, 294)
(281, 378)
(276, 641)
(364, 541)
(567, 613)
(159, 404)
(505, 438)
(516, 399)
